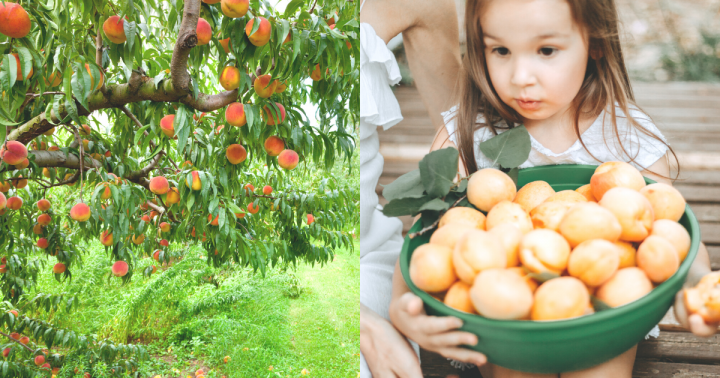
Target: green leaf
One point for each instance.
(437, 170)
(509, 149)
(436, 205)
(129, 27)
(408, 185)
(25, 60)
(598, 304)
(405, 206)
(542, 277)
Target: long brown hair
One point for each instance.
(606, 80)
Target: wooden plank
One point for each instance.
(698, 177)
(683, 347)
(714, 252)
(661, 369)
(698, 193)
(706, 213)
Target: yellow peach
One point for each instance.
(566, 196)
(588, 220)
(594, 261)
(667, 202)
(509, 212)
(458, 297)
(560, 298)
(675, 233)
(586, 191)
(615, 173)
(533, 194)
(544, 251)
(627, 254)
(501, 294)
(549, 214)
(464, 215)
(625, 286)
(658, 258)
(449, 235)
(509, 236)
(489, 186)
(476, 251)
(632, 210)
(431, 268)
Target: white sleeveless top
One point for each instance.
(599, 138)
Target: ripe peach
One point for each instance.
(196, 183)
(560, 298)
(43, 205)
(533, 194)
(156, 254)
(230, 78)
(431, 268)
(274, 145)
(463, 215)
(20, 183)
(106, 192)
(549, 214)
(13, 152)
(615, 173)
(114, 29)
(166, 125)
(159, 185)
(632, 210)
(44, 219)
(249, 189)
(509, 236)
(165, 243)
(449, 235)
(106, 238)
(288, 159)
(165, 227)
(213, 222)
(240, 215)
(3, 268)
(23, 164)
(476, 251)
(234, 8)
(667, 202)
(262, 34)
(14, 20)
(267, 189)
(211, 1)
(489, 186)
(658, 258)
(14, 203)
(509, 212)
(225, 43)
(120, 268)
(594, 261)
(280, 87)
(675, 233)
(316, 75)
(272, 117)
(264, 86)
(627, 254)
(235, 114)
(588, 220)
(520, 271)
(172, 197)
(586, 191)
(59, 268)
(39, 360)
(24, 340)
(625, 286)
(92, 80)
(501, 294)
(80, 212)
(5, 186)
(204, 32)
(310, 219)
(253, 209)
(566, 196)
(138, 239)
(704, 298)
(42, 243)
(458, 297)
(145, 218)
(236, 154)
(544, 251)
(84, 130)
(3, 201)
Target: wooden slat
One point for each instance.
(660, 369)
(698, 177)
(682, 347)
(697, 193)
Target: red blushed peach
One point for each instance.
(14, 20)
(13, 152)
(280, 87)
(487, 187)
(464, 215)
(3, 201)
(106, 238)
(633, 211)
(114, 29)
(85, 130)
(59, 268)
(588, 220)
(586, 191)
(20, 183)
(234, 8)
(264, 86)
(615, 173)
(288, 159)
(549, 214)
(458, 297)
(449, 235)
(310, 219)
(166, 125)
(249, 188)
(106, 192)
(272, 117)
(274, 145)
(196, 183)
(509, 212)
(230, 78)
(80, 212)
(658, 258)
(252, 208)
(14, 203)
(431, 268)
(675, 233)
(267, 189)
(560, 298)
(476, 251)
(544, 251)
(262, 34)
(173, 196)
(159, 185)
(44, 219)
(666, 201)
(165, 227)
(236, 154)
(204, 32)
(501, 294)
(235, 114)
(42, 243)
(533, 194)
(120, 268)
(509, 236)
(316, 75)
(625, 286)
(225, 43)
(594, 261)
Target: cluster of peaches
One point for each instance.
(615, 238)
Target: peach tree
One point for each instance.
(155, 125)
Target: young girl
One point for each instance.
(555, 66)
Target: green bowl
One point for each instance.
(566, 345)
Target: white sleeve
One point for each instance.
(449, 118)
(646, 149)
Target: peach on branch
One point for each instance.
(280, 87)
(633, 211)
(675, 233)
(42, 243)
(230, 78)
(204, 32)
(544, 251)
(236, 154)
(59, 268)
(37, 229)
(165, 227)
(85, 130)
(106, 192)
(145, 218)
(588, 220)
(658, 258)
(509, 212)
(14, 203)
(13, 152)
(46, 172)
(166, 125)
(594, 261)
(501, 294)
(273, 117)
(39, 360)
(666, 201)
(114, 28)
(288, 159)
(14, 20)
(24, 340)
(19, 76)
(225, 43)
(68, 176)
(262, 34)
(560, 298)
(533, 194)
(92, 80)
(106, 238)
(120, 268)
(5, 186)
(264, 86)
(54, 148)
(44, 219)
(213, 222)
(196, 183)
(20, 183)
(234, 8)
(615, 173)
(316, 75)
(235, 114)
(49, 132)
(138, 239)
(3, 201)
(431, 268)
(173, 196)
(252, 208)
(159, 185)
(153, 214)
(240, 215)
(164, 243)
(156, 254)
(625, 286)
(310, 219)
(476, 251)
(23, 164)
(80, 212)
(267, 189)
(274, 145)
(487, 187)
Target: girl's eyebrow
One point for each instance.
(540, 37)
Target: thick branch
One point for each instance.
(57, 159)
(187, 39)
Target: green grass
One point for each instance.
(186, 323)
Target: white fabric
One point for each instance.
(599, 138)
(380, 236)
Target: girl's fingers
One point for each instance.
(431, 325)
(452, 339)
(414, 304)
(464, 355)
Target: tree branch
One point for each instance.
(17, 341)
(187, 39)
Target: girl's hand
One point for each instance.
(386, 351)
(694, 323)
(433, 333)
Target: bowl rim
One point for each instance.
(554, 325)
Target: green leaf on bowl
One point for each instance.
(509, 149)
(462, 186)
(429, 217)
(408, 185)
(513, 173)
(542, 277)
(437, 170)
(598, 304)
(405, 206)
(436, 204)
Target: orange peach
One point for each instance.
(274, 145)
(92, 80)
(501, 294)
(487, 187)
(106, 238)
(267, 189)
(288, 159)
(612, 174)
(463, 215)
(159, 185)
(264, 86)
(120, 268)
(566, 196)
(658, 258)
(675, 233)
(85, 130)
(59, 268)
(14, 203)
(520, 271)
(52, 81)
(509, 212)
(5, 186)
(509, 236)
(310, 219)
(261, 35)
(280, 87)
(449, 235)
(20, 182)
(13, 152)
(588, 220)
(627, 254)
(42, 243)
(230, 78)
(533, 194)
(544, 251)
(625, 286)
(106, 192)
(44, 219)
(549, 214)
(560, 298)
(667, 202)
(234, 8)
(458, 297)
(252, 208)
(14, 20)
(138, 239)
(316, 75)
(114, 29)
(273, 117)
(633, 211)
(704, 298)
(213, 222)
(235, 114)
(23, 164)
(165, 227)
(196, 183)
(225, 43)
(204, 32)
(236, 154)
(476, 251)
(167, 125)
(173, 196)
(586, 191)
(594, 261)
(3, 201)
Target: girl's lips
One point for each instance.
(528, 105)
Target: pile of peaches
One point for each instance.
(540, 254)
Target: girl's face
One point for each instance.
(536, 55)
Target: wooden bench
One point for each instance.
(689, 116)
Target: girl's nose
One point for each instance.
(522, 74)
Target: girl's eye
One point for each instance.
(547, 51)
(501, 51)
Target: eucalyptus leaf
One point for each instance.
(405, 206)
(408, 185)
(436, 205)
(598, 304)
(542, 277)
(509, 149)
(437, 170)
